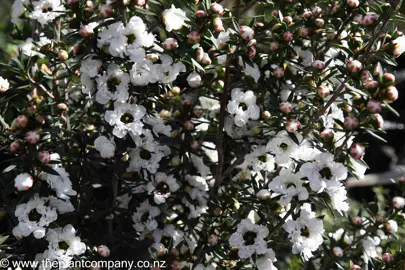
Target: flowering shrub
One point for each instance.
(223, 140)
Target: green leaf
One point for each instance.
(293, 138)
(144, 11)
(197, 65)
(49, 170)
(9, 168)
(391, 109)
(3, 239)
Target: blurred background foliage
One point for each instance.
(7, 46)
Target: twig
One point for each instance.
(41, 86)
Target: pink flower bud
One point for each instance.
(87, 30)
(327, 134)
(199, 54)
(194, 37)
(286, 107)
(140, 3)
(14, 146)
(218, 25)
(103, 250)
(170, 44)
(21, 121)
(391, 94)
(44, 157)
(292, 125)
(274, 45)
(398, 202)
(351, 122)
(370, 18)
(371, 85)
(288, 36)
(40, 119)
(357, 151)
(354, 266)
(303, 32)
(357, 220)
(391, 226)
(388, 79)
(353, 3)
(307, 14)
(388, 257)
(323, 91)
(188, 125)
(318, 64)
(319, 22)
(23, 182)
(105, 10)
(288, 20)
(358, 18)
(217, 8)
(374, 106)
(200, 14)
(32, 136)
(194, 79)
(252, 42)
(252, 52)
(195, 145)
(278, 72)
(354, 66)
(338, 251)
(206, 60)
(246, 32)
(263, 194)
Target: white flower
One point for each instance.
(283, 147)
(167, 71)
(113, 37)
(144, 217)
(141, 73)
(47, 10)
(23, 181)
(4, 85)
(243, 106)
(33, 216)
(162, 186)
(321, 171)
(60, 183)
(147, 154)
(289, 185)
(168, 232)
(173, 18)
(338, 195)
(198, 163)
(265, 262)
(370, 245)
(28, 46)
(63, 244)
(210, 151)
(126, 118)
(306, 56)
(112, 85)
(391, 226)
(158, 125)
(197, 190)
(252, 71)
(91, 67)
(194, 79)
(138, 38)
(17, 10)
(105, 146)
(209, 103)
(305, 233)
(249, 239)
(62, 206)
(258, 160)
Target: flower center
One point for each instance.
(34, 215)
(112, 84)
(145, 154)
(326, 173)
(47, 7)
(243, 106)
(63, 245)
(305, 232)
(165, 241)
(127, 118)
(283, 146)
(249, 238)
(145, 217)
(263, 158)
(131, 38)
(162, 188)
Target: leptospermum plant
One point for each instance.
(224, 140)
